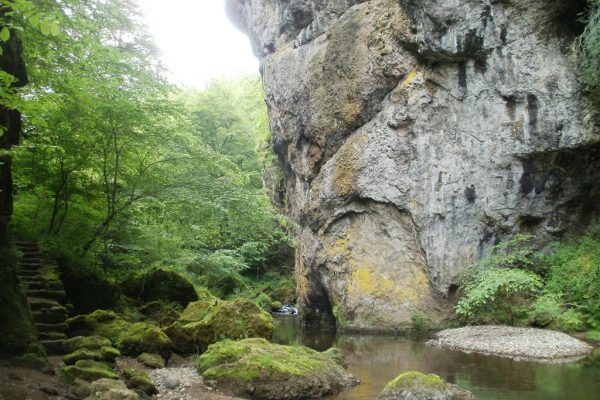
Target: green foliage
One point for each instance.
(564, 294)
(496, 288)
(589, 44)
(574, 273)
(120, 171)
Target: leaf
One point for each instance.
(55, 29)
(4, 34)
(35, 20)
(46, 27)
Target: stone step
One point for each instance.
(49, 316)
(35, 268)
(52, 336)
(27, 246)
(56, 295)
(40, 284)
(36, 303)
(28, 273)
(31, 255)
(53, 347)
(61, 327)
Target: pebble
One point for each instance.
(517, 343)
(173, 382)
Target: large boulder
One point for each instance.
(88, 371)
(159, 285)
(130, 338)
(108, 389)
(103, 323)
(257, 368)
(206, 322)
(418, 386)
(143, 337)
(412, 136)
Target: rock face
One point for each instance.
(412, 136)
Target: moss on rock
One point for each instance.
(143, 337)
(87, 371)
(271, 371)
(108, 389)
(85, 342)
(139, 380)
(106, 353)
(415, 385)
(205, 322)
(104, 323)
(151, 360)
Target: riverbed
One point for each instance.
(376, 360)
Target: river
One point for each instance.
(376, 360)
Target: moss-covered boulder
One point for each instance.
(103, 323)
(108, 389)
(258, 368)
(139, 380)
(143, 337)
(415, 385)
(159, 284)
(106, 354)
(205, 322)
(88, 371)
(151, 360)
(85, 342)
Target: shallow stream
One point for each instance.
(376, 360)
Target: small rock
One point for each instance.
(171, 383)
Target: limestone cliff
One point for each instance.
(415, 134)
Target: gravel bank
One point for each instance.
(518, 343)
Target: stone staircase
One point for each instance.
(46, 297)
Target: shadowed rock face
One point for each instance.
(413, 135)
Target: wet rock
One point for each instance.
(418, 386)
(257, 368)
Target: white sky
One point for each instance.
(197, 40)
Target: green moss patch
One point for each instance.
(141, 338)
(272, 371)
(139, 380)
(151, 360)
(104, 323)
(409, 379)
(87, 372)
(416, 385)
(85, 342)
(208, 321)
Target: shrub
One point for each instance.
(498, 288)
(574, 271)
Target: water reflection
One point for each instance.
(376, 360)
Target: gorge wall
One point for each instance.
(413, 135)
